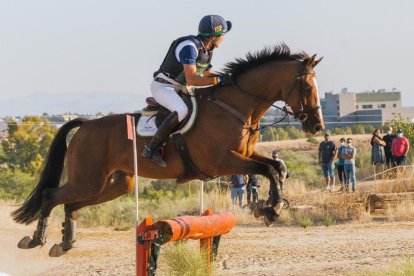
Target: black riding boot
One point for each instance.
(152, 149)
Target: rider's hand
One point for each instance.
(225, 80)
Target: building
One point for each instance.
(374, 108)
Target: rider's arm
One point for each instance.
(192, 79)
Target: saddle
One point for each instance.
(151, 117)
(154, 109)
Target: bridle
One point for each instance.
(303, 114)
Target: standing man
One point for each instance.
(326, 155)
(187, 63)
(341, 163)
(252, 189)
(389, 158)
(349, 165)
(400, 148)
(237, 189)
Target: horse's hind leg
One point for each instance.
(50, 198)
(119, 185)
(40, 235)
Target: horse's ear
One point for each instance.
(317, 62)
(309, 62)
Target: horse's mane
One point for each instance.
(277, 53)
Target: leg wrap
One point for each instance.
(40, 234)
(69, 233)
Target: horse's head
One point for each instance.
(304, 97)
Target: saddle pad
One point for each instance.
(146, 126)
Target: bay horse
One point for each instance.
(99, 156)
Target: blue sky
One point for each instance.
(99, 55)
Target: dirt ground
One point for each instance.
(252, 250)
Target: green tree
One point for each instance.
(282, 134)
(27, 144)
(269, 134)
(295, 133)
(408, 127)
(358, 129)
(369, 129)
(338, 131)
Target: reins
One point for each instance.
(301, 116)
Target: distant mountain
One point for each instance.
(86, 103)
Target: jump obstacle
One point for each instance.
(207, 228)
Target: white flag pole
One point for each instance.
(135, 172)
(202, 198)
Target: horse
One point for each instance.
(99, 158)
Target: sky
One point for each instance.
(91, 56)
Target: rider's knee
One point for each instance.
(182, 112)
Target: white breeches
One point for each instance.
(166, 95)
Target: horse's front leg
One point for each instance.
(240, 164)
(280, 167)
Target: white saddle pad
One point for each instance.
(146, 123)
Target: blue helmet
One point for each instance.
(213, 25)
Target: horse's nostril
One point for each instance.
(318, 128)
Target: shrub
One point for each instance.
(312, 140)
(186, 259)
(305, 221)
(328, 220)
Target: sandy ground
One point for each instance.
(253, 250)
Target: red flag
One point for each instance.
(130, 126)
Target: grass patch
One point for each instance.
(184, 258)
(328, 220)
(404, 268)
(305, 221)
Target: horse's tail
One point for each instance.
(50, 177)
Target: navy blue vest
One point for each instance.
(174, 69)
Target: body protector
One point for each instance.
(174, 69)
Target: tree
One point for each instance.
(358, 129)
(406, 126)
(27, 144)
(269, 134)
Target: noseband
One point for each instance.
(303, 113)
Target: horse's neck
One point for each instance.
(262, 87)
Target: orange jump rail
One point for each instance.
(203, 228)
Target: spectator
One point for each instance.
(252, 189)
(326, 155)
(349, 165)
(389, 159)
(237, 189)
(377, 152)
(341, 162)
(400, 147)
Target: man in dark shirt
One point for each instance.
(326, 155)
(237, 189)
(389, 158)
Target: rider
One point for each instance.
(187, 63)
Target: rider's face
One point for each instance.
(218, 41)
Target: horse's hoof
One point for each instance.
(270, 216)
(57, 251)
(267, 221)
(27, 243)
(257, 212)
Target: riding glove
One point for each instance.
(225, 80)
